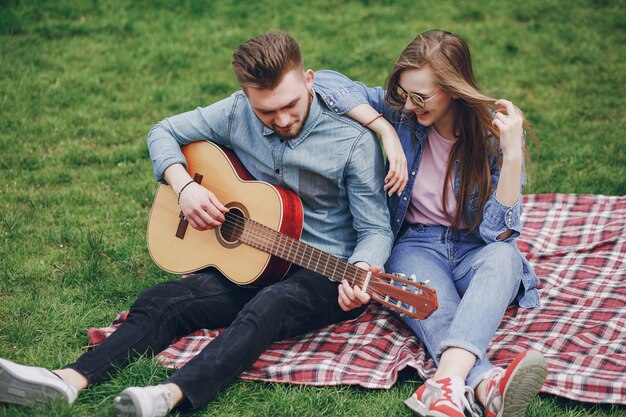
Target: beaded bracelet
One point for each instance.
(181, 190)
(373, 120)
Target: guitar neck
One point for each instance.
(270, 241)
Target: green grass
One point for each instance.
(81, 83)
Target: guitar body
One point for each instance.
(178, 248)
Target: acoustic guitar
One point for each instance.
(259, 239)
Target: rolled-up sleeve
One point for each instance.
(499, 218)
(167, 136)
(341, 94)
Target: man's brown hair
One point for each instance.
(262, 62)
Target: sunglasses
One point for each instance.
(416, 99)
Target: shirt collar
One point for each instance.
(314, 116)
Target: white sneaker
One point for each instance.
(154, 401)
(28, 385)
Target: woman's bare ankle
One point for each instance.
(479, 392)
(455, 362)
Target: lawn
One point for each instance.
(82, 82)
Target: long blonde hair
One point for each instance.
(449, 58)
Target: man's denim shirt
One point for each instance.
(342, 94)
(335, 166)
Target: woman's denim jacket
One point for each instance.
(342, 94)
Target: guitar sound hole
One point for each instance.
(232, 228)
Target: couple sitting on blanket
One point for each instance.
(453, 213)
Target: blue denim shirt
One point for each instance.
(342, 94)
(335, 166)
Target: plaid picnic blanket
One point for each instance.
(577, 245)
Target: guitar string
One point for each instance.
(269, 241)
(275, 240)
(239, 225)
(260, 232)
(255, 232)
(263, 233)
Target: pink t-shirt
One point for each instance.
(426, 207)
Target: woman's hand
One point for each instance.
(397, 177)
(510, 123)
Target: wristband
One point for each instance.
(181, 190)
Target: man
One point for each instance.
(284, 135)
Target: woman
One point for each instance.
(456, 221)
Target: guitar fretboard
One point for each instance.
(294, 251)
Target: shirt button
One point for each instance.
(336, 110)
(330, 103)
(412, 172)
(277, 171)
(404, 198)
(397, 220)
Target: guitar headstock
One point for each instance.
(403, 295)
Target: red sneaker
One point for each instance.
(442, 398)
(509, 392)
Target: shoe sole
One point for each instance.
(525, 382)
(415, 406)
(15, 389)
(127, 405)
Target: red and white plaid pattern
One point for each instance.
(577, 246)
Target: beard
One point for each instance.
(297, 127)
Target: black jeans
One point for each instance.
(254, 317)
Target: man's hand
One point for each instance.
(201, 207)
(353, 297)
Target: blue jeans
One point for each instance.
(253, 317)
(475, 283)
